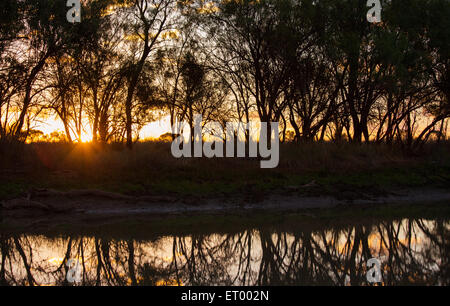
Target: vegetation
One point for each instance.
(317, 67)
(341, 170)
(363, 111)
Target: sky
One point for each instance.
(151, 130)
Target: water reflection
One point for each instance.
(411, 252)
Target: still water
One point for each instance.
(411, 251)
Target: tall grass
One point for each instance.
(156, 158)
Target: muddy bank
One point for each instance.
(49, 207)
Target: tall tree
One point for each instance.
(148, 19)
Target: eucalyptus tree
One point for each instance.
(248, 33)
(187, 81)
(12, 70)
(437, 38)
(99, 65)
(147, 20)
(271, 56)
(412, 52)
(311, 88)
(45, 33)
(349, 42)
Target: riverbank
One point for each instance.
(46, 184)
(48, 208)
(315, 169)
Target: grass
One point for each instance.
(150, 169)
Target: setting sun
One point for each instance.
(153, 130)
(86, 137)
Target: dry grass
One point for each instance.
(150, 167)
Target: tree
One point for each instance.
(148, 19)
(45, 31)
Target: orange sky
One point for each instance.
(152, 130)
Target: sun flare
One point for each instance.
(50, 126)
(86, 137)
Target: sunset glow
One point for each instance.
(228, 143)
(150, 131)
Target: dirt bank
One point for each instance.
(48, 207)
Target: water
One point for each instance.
(411, 251)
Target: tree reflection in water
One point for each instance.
(411, 252)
